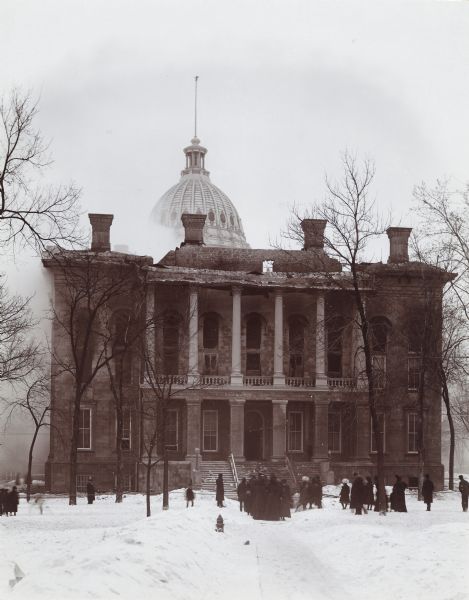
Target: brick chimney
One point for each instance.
(313, 230)
(100, 228)
(194, 229)
(398, 244)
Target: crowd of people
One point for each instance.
(265, 498)
(9, 500)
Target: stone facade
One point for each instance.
(266, 364)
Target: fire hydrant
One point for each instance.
(220, 526)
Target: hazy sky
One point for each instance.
(284, 88)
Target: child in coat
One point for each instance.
(345, 494)
(190, 496)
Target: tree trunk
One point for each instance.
(30, 464)
(119, 427)
(148, 486)
(165, 479)
(444, 386)
(72, 493)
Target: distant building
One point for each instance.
(271, 375)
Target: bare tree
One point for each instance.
(31, 214)
(88, 287)
(352, 223)
(17, 349)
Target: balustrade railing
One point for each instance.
(171, 379)
(215, 379)
(343, 383)
(257, 380)
(301, 382)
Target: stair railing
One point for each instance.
(233, 469)
(290, 469)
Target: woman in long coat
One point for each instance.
(285, 500)
(369, 493)
(13, 500)
(398, 495)
(427, 491)
(220, 491)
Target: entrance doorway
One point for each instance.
(253, 436)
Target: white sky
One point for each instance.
(285, 87)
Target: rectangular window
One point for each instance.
(379, 371)
(295, 431)
(172, 433)
(253, 363)
(84, 433)
(211, 363)
(382, 428)
(210, 430)
(126, 429)
(414, 366)
(82, 480)
(335, 432)
(412, 433)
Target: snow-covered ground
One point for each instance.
(109, 551)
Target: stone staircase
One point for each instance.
(301, 469)
(209, 471)
(278, 468)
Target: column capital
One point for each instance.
(279, 402)
(322, 402)
(278, 292)
(193, 401)
(237, 401)
(236, 289)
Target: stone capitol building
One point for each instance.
(263, 354)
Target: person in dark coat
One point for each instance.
(369, 493)
(90, 491)
(316, 491)
(248, 498)
(357, 484)
(285, 500)
(3, 501)
(13, 500)
(261, 498)
(242, 489)
(305, 494)
(427, 491)
(464, 489)
(398, 495)
(273, 499)
(190, 496)
(220, 491)
(358, 491)
(344, 497)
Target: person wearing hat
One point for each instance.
(90, 491)
(427, 491)
(464, 489)
(344, 497)
(220, 491)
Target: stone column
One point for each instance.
(193, 375)
(237, 428)
(279, 375)
(321, 430)
(236, 375)
(363, 421)
(193, 424)
(359, 367)
(321, 377)
(279, 428)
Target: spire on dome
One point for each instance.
(195, 153)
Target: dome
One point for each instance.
(195, 193)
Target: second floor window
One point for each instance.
(414, 364)
(382, 429)
(296, 341)
(126, 429)
(84, 432)
(171, 345)
(172, 429)
(253, 345)
(412, 433)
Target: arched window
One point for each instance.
(335, 330)
(171, 344)
(122, 351)
(210, 342)
(296, 342)
(253, 344)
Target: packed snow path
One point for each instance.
(113, 551)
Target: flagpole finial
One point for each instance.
(196, 78)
